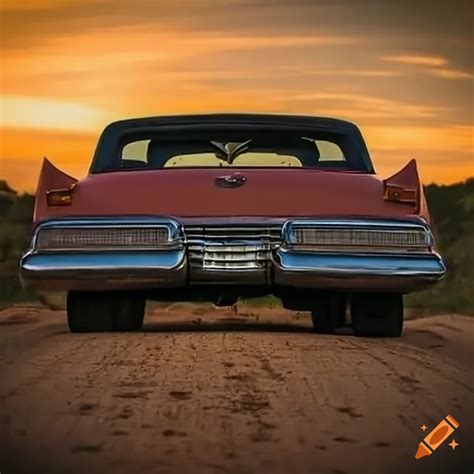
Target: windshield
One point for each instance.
(236, 148)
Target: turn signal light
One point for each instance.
(400, 194)
(404, 186)
(59, 197)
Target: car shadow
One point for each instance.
(232, 326)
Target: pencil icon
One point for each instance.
(436, 437)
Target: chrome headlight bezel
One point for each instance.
(357, 236)
(130, 234)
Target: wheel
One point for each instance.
(89, 311)
(328, 312)
(377, 314)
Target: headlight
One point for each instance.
(358, 235)
(96, 237)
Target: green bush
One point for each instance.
(16, 213)
(452, 212)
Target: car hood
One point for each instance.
(267, 192)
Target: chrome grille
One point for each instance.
(231, 248)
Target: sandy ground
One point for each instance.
(201, 391)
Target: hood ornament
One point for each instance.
(230, 151)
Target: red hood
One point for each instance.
(194, 193)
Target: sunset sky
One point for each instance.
(402, 70)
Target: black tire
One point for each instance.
(377, 314)
(89, 311)
(328, 312)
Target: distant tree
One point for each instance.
(6, 201)
(5, 188)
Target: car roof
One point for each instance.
(229, 118)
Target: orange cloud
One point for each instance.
(451, 74)
(364, 106)
(450, 139)
(417, 60)
(34, 112)
(28, 4)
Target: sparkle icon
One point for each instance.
(453, 444)
(423, 427)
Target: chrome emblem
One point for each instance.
(233, 181)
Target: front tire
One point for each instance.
(89, 311)
(377, 314)
(328, 312)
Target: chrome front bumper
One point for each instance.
(148, 270)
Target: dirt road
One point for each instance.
(221, 392)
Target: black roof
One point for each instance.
(230, 118)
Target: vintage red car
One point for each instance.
(217, 207)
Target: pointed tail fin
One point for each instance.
(405, 187)
(54, 189)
